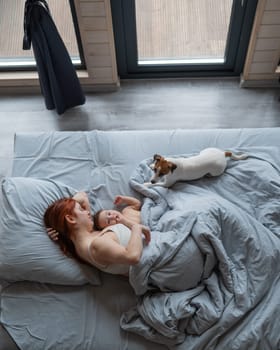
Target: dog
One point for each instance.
(209, 162)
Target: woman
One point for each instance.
(111, 250)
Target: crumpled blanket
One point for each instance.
(210, 277)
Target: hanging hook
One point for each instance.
(26, 21)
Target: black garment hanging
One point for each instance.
(59, 83)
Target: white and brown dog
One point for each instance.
(209, 162)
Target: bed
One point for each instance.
(211, 278)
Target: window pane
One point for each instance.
(11, 32)
(182, 30)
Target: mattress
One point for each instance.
(39, 314)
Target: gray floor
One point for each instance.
(158, 104)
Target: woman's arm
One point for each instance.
(130, 201)
(107, 251)
(82, 198)
(129, 223)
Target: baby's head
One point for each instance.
(104, 218)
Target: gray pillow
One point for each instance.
(26, 251)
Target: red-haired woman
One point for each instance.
(111, 250)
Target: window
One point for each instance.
(179, 31)
(12, 56)
(164, 38)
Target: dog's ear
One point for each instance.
(157, 157)
(172, 166)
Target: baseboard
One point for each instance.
(268, 83)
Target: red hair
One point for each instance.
(55, 218)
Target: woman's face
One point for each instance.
(82, 216)
(108, 217)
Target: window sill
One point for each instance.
(27, 76)
(28, 82)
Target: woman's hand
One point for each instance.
(53, 234)
(130, 224)
(145, 231)
(82, 199)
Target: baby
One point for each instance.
(130, 213)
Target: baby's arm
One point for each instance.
(132, 202)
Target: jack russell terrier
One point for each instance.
(209, 162)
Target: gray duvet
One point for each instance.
(210, 278)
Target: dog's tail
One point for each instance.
(236, 156)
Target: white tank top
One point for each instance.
(123, 234)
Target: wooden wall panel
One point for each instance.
(262, 67)
(96, 29)
(272, 5)
(264, 49)
(99, 23)
(269, 31)
(271, 17)
(264, 55)
(92, 9)
(267, 44)
(102, 49)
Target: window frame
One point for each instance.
(79, 66)
(123, 15)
